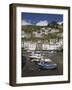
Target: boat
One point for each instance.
(51, 52)
(35, 56)
(47, 64)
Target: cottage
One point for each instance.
(37, 34)
(51, 46)
(53, 30)
(25, 35)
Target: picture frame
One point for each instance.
(44, 30)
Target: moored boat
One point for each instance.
(47, 64)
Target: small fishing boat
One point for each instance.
(35, 55)
(47, 64)
(51, 52)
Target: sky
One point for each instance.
(40, 19)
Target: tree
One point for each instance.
(54, 24)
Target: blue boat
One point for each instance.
(47, 65)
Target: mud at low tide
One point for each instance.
(31, 69)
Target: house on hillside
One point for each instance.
(28, 45)
(49, 30)
(60, 35)
(52, 41)
(53, 30)
(25, 35)
(44, 31)
(37, 34)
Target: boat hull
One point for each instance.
(47, 66)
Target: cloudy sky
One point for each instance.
(40, 19)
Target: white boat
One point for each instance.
(35, 56)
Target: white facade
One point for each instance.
(36, 34)
(53, 30)
(25, 35)
(51, 46)
(32, 46)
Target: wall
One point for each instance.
(4, 45)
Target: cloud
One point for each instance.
(60, 22)
(42, 23)
(24, 22)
